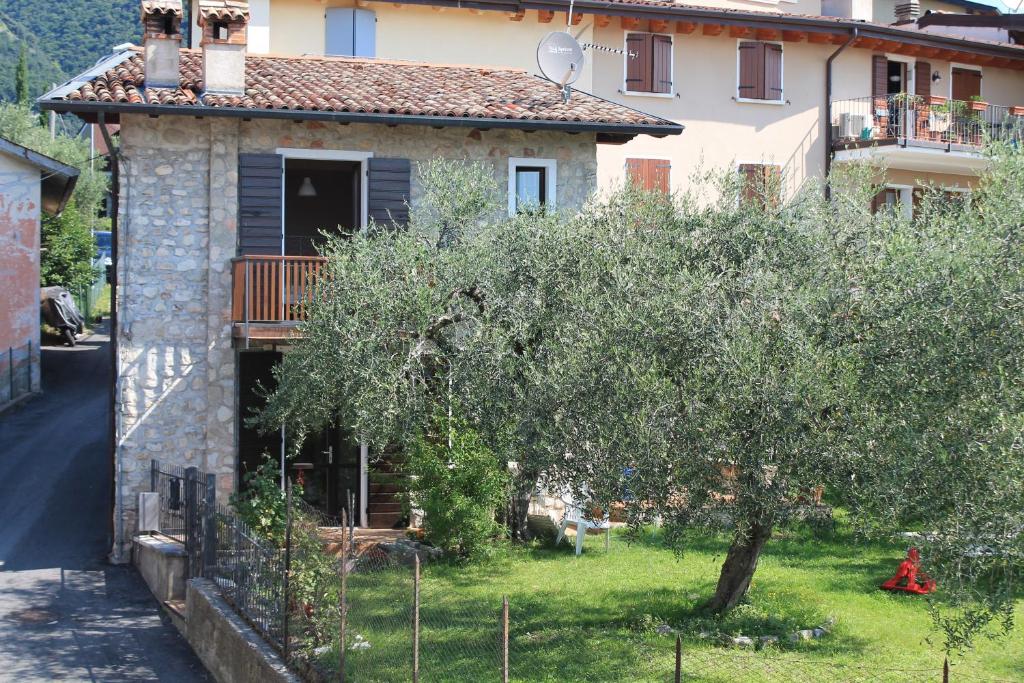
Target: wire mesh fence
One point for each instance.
(19, 375)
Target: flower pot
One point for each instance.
(938, 100)
(1017, 110)
(977, 105)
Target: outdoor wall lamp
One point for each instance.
(936, 77)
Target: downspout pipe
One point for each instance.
(854, 34)
(117, 504)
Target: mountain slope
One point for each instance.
(63, 37)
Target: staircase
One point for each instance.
(384, 507)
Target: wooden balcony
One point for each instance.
(270, 293)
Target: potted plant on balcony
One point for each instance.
(937, 100)
(1017, 110)
(977, 104)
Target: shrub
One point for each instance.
(262, 505)
(458, 487)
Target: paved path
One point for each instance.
(65, 614)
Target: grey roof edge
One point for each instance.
(59, 181)
(80, 107)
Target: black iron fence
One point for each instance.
(16, 379)
(910, 119)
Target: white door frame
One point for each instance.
(362, 158)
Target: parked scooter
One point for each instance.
(59, 311)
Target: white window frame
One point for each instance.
(782, 68)
(969, 67)
(625, 67)
(906, 198)
(550, 167)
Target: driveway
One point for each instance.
(65, 614)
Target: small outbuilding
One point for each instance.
(30, 183)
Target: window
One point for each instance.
(351, 32)
(531, 185)
(648, 63)
(649, 174)
(895, 198)
(220, 30)
(760, 184)
(760, 71)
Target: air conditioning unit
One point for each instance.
(851, 125)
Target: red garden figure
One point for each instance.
(907, 575)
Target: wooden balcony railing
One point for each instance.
(273, 289)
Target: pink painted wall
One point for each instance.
(19, 275)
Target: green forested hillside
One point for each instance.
(63, 37)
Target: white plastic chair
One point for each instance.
(574, 516)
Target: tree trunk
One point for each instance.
(519, 508)
(739, 566)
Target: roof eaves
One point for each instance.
(659, 130)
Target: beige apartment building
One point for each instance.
(783, 87)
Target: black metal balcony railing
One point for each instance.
(928, 122)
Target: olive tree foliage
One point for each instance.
(710, 359)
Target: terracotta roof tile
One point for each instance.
(339, 84)
(162, 7)
(224, 9)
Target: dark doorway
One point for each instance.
(255, 371)
(319, 196)
(328, 463)
(897, 78)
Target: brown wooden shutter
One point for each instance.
(879, 75)
(661, 64)
(638, 62)
(750, 178)
(649, 174)
(923, 80)
(751, 70)
(772, 71)
(771, 184)
(966, 84)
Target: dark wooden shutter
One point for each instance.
(751, 70)
(649, 174)
(638, 62)
(260, 203)
(635, 171)
(923, 80)
(772, 71)
(388, 188)
(661, 57)
(879, 75)
(750, 181)
(771, 184)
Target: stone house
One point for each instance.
(229, 165)
(30, 183)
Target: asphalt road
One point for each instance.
(65, 613)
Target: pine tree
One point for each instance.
(21, 77)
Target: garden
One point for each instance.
(710, 362)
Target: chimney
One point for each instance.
(907, 11)
(161, 40)
(224, 24)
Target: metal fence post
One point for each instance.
(210, 526)
(679, 659)
(192, 520)
(287, 564)
(504, 639)
(416, 620)
(154, 475)
(342, 605)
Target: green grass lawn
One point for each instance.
(595, 618)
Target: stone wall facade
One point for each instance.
(177, 231)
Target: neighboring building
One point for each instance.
(750, 79)
(30, 183)
(231, 163)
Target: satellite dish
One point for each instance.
(560, 58)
